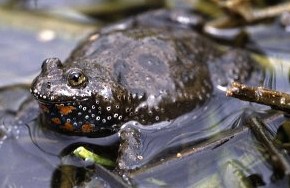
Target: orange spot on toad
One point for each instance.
(86, 128)
(55, 121)
(68, 126)
(65, 110)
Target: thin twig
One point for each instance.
(278, 160)
(275, 99)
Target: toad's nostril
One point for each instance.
(48, 85)
(51, 64)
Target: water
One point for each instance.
(207, 147)
(22, 52)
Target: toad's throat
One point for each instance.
(80, 117)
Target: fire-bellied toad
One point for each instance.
(145, 72)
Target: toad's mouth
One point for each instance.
(52, 99)
(62, 101)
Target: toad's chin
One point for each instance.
(88, 130)
(83, 118)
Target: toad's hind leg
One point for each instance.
(236, 65)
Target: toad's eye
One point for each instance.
(77, 79)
